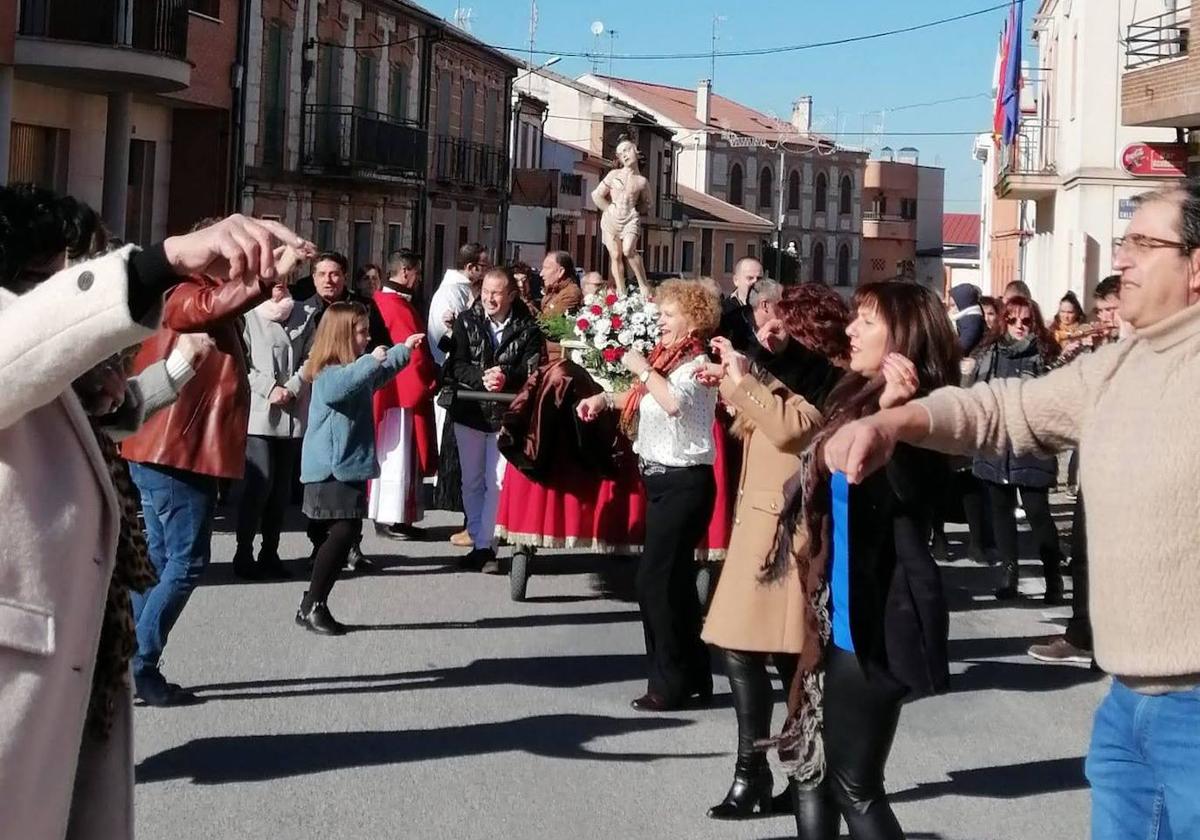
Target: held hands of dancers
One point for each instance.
(414, 341)
(772, 335)
(733, 364)
(590, 408)
(238, 247)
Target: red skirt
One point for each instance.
(578, 509)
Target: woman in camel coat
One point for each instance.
(761, 608)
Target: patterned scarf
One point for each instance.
(800, 744)
(664, 360)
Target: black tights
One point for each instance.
(754, 699)
(861, 715)
(333, 539)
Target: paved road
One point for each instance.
(453, 712)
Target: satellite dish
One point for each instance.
(598, 28)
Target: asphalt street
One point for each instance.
(453, 712)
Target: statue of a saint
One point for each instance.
(622, 197)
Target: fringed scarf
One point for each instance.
(800, 744)
(664, 360)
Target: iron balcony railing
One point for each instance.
(1031, 152)
(1160, 38)
(570, 184)
(155, 26)
(347, 140)
(470, 164)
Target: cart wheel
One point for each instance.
(518, 573)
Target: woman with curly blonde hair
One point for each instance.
(669, 416)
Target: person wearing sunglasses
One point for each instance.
(1020, 346)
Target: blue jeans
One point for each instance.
(1144, 766)
(178, 506)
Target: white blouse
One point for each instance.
(684, 440)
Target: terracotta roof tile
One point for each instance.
(960, 228)
(679, 106)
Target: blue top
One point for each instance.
(839, 575)
(340, 439)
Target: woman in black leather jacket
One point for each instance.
(887, 617)
(1020, 346)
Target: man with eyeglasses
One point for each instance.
(1130, 407)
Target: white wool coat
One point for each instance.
(60, 522)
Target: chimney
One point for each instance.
(802, 114)
(704, 100)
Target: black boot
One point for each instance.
(315, 617)
(270, 567)
(750, 792)
(243, 565)
(1008, 587)
(784, 802)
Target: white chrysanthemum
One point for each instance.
(601, 342)
(625, 337)
(602, 327)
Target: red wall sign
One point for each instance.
(1155, 160)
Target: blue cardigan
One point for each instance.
(340, 439)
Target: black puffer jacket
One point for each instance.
(521, 351)
(1008, 359)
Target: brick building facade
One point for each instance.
(126, 106)
(372, 125)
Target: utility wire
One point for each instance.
(689, 56)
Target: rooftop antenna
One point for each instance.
(612, 39)
(462, 18)
(533, 22)
(716, 25)
(597, 31)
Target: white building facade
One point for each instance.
(1066, 165)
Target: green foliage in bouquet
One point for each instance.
(557, 327)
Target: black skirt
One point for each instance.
(447, 493)
(333, 499)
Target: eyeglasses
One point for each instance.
(1024, 322)
(1141, 244)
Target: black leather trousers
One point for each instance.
(754, 699)
(859, 724)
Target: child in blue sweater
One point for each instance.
(338, 457)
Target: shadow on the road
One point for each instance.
(911, 835)
(1008, 781)
(969, 586)
(540, 671)
(1013, 676)
(510, 621)
(992, 648)
(257, 758)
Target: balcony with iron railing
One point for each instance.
(120, 44)
(1157, 39)
(469, 164)
(1027, 167)
(347, 141)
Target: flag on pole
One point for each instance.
(1012, 75)
(998, 77)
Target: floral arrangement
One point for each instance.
(558, 327)
(606, 326)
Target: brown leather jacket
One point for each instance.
(205, 430)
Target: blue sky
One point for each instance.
(847, 82)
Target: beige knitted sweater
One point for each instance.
(1133, 409)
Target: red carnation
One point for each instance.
(612, 355)
(583, 323)
(610, 300)
(617, 322)
(597, 309)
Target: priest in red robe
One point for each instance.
(404, 425)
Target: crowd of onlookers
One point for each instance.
(241, 372)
